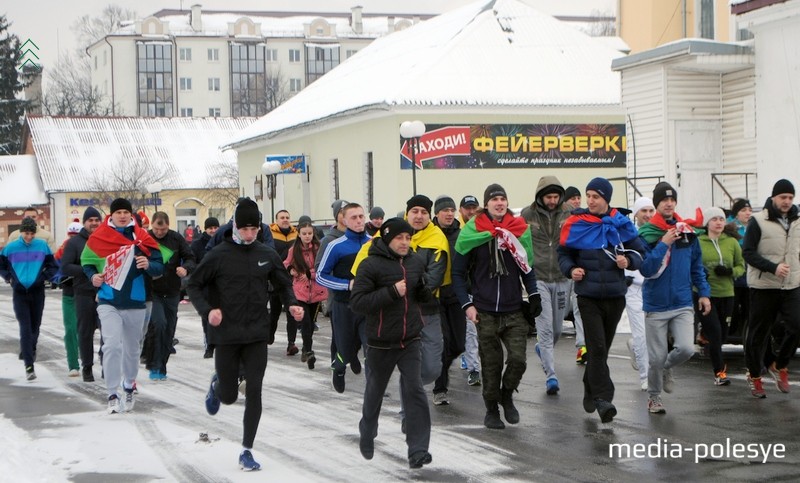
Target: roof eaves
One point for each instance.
(677, 49)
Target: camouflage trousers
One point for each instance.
(510, 330)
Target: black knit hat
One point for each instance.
(571, 191)
(247, 214)
(663, 190)
(28, 224)
(782, 187)
(469, 200)
(493, 190)
(393, 227)
(443, 202)
(91, 212)
(211, 222)
(121, 204)
(739, 205)
(419, 200)
(602, 187)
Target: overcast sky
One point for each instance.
(47, 22)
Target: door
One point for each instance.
(698, 153)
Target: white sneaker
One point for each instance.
(114, 406)
(73, 373)
(129, 400)
(634, 363)
(644, 384)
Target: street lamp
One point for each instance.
(271, 169)
(154, 189)
(412, 131)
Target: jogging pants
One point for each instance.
(454, 333)
(70, 331)
(88, 323)
(349, 331)
(28, 308)
(122, 335)
(164, 321)
(767, 306)
(600, 319)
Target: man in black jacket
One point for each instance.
(388, 288)
(84, 291)
(238, 273)
(166, 290)
(210, 226)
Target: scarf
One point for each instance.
(107, 244)
(510, 234)
(653, 230)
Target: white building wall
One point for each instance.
(200, 69)
(380, 134)
(738, 135)
(643, 98)
(777, 46)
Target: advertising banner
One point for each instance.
(484, 146)
(290, 164)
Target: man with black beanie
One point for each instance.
(388, 288)
(772, 251)
(210, 227)
(490, 268)
(238, 274)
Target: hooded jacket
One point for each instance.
(392, 320)
(546, 229)
(723, 251)
(238, 279)
(306, 288)
(282, 240)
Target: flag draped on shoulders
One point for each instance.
(653, 230)
(512, 234)
(106, 240)
(585, 231)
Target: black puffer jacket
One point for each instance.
(392, 320)
(238, 278)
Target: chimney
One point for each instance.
(391, 24)
(355, 20)
(197, 21)
(33, 88)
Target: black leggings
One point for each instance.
(253, 358)
(715, 327)
(307, 324)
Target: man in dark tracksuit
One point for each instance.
(166, 290)
(237, 274)
(387, 289)
(198, 246)
(491, 258)
(85, 292)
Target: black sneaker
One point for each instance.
(367, 447)
(338, 381)
(311, 360)
(355, 365)
(606, 410)
(419, 458)
(88, 374)
(208, 354)
(29, 374)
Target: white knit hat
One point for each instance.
(643, 202)
(712, 212)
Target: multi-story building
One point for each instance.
(226, 63)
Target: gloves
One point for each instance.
(535, 301)
(723, 271)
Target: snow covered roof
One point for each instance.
(273, 24)
(73, 153)
(492, 53)
(20, 183)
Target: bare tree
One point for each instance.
(70, 91)
(603, 24)
(224, 191)
(89, 29)
(277, 88)
(128, 179)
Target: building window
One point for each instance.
(154, 68)
(186, 112)
(272, 55)
(213, 55)
(185, 83)
(350, 53)
(248, 80)
(706, 29)
(335, 179)
(214, 112)
(185, 53)
(369, 180)
(213, 83)
(295, 85)
(294, 55)
(320, 61)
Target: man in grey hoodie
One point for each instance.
(546, 215)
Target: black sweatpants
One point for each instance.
(767, 306)
(253, 358)
(715, 327)
(88, 322)
(307, 324)
(417, 414)
(454, 333)
(28, 307)
(275, 309)
(600, 319)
